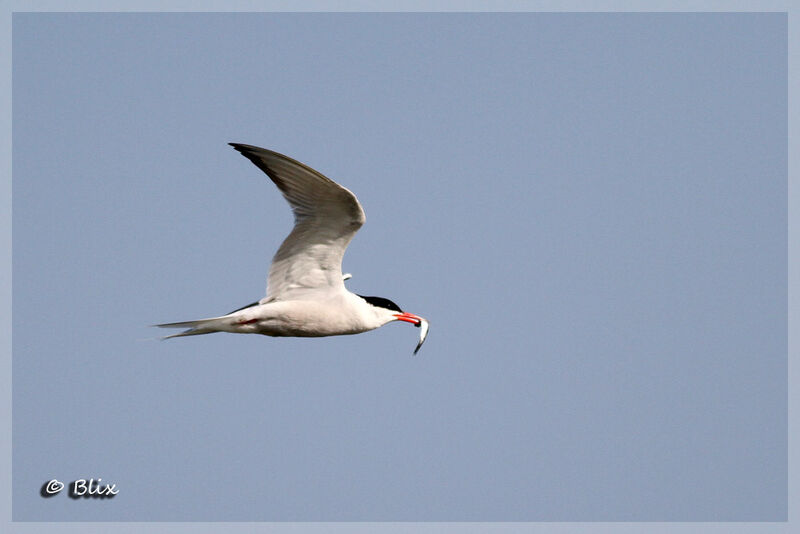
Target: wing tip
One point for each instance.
(258, 155)
(241, 147)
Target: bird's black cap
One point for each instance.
(381, 302)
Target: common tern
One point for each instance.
(306, 295)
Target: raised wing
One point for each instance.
(326, 217)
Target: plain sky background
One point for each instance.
(590, 209)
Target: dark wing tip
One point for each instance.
(252, 153)
(261, 156)
(248, 151)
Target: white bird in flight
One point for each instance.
(306, 296)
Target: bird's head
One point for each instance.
(388, 311)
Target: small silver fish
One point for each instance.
(423, 332)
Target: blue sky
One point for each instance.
(590, 209)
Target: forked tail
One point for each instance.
(196, 328)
